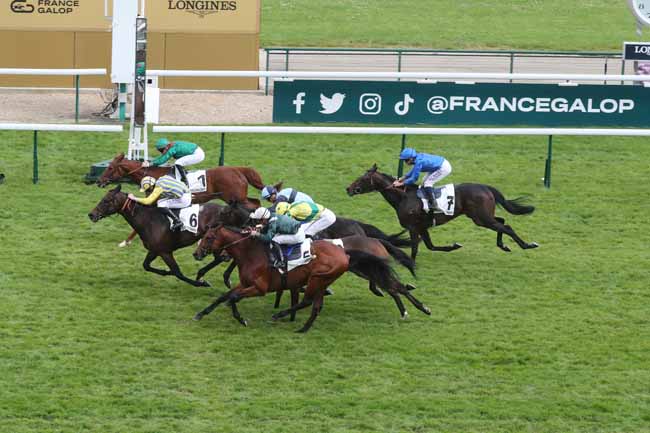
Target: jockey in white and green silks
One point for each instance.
(184, 152)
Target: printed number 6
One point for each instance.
(193, 220)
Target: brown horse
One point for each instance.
(476, 201)
(257, 278)
(153, 228)
(228, 183)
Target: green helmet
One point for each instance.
(162, 143)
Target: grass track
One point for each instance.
(454, 24)
(550, 340)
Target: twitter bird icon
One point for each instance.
(333, 104)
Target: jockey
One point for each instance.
(276, 230)
(436, 166)
(169, 194)
(289, 195)
(184, 152)
(314, 217)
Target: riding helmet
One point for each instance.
(146, 183)
(408, 153)
(162, 143)
(268, 191)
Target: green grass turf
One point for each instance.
(453, 24)
(547, 340)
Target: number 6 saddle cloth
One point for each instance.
(189, 216)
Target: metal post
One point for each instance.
(286, 60)
(122, 101)
(622, 69)
(605, 72)
(76, 99)
(399, 62)
(266, 80)
(512, 63)
(400, 166)
(35, 178)
(549, 157)
(223, 148)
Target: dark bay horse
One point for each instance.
(257, 277)
(153, 229)
(476, 201)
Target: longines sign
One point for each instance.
(167, 16)
(460, 104)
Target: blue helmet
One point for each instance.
(408, 153)
(268, 191)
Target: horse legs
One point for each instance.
(295, 295)
(498, 225)
(306, 302)
(147, 265)
(315, 309)
(232, 296)
(204, 270)
(404, 290)
(415, 241)
(278, 298)
(427, 242)
(226, 275)
(128, 240)
(176, 271)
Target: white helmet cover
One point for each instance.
(261, 213)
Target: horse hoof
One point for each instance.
(506, 249)
(410, 287)
(227, 283)
(533, 245)
(457, 245)
(427, 310)
(405, 315)
(204, 284)
(124, 244)
(244, 322)
(302, 330)
(197, 317)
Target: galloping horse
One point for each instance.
(153, 229)
(229, 183)
(258, 278)
(476, 201)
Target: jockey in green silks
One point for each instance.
(184, 152)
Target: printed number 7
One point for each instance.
(202, 179)
(450, 202)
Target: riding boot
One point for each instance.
(176, 222)
(183, 173)
(428, 193)
(277, 256)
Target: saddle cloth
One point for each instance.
(197, 180)
(337, 242)
(298, 254)
(445, 199)
(189, 216)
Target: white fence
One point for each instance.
(75, 72)
(550, 132)
(36, 127)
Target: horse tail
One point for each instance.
(400, 256)
(373, 268)
(252, 176)
(396, 239)
(515, 207)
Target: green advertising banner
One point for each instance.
(399, 102)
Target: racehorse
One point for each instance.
(237, 215)
(153, 228)
(258, 278)
(227, 183)
(476, 201)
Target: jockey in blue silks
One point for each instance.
(289, 195)
(436, 166)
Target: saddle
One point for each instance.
(292, 255)
(445, 197)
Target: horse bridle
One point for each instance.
(231, 243)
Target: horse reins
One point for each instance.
(127, 204)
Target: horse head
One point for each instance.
(118, 168)
(112, 203)
(236, 214)
(364, 183)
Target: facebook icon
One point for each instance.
(299, 102)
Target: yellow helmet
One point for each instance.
(282, 208)
(146, 183)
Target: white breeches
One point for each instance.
(192, 159)
(298, 238)
(440, 173)
(327, 218)
(176, 203)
